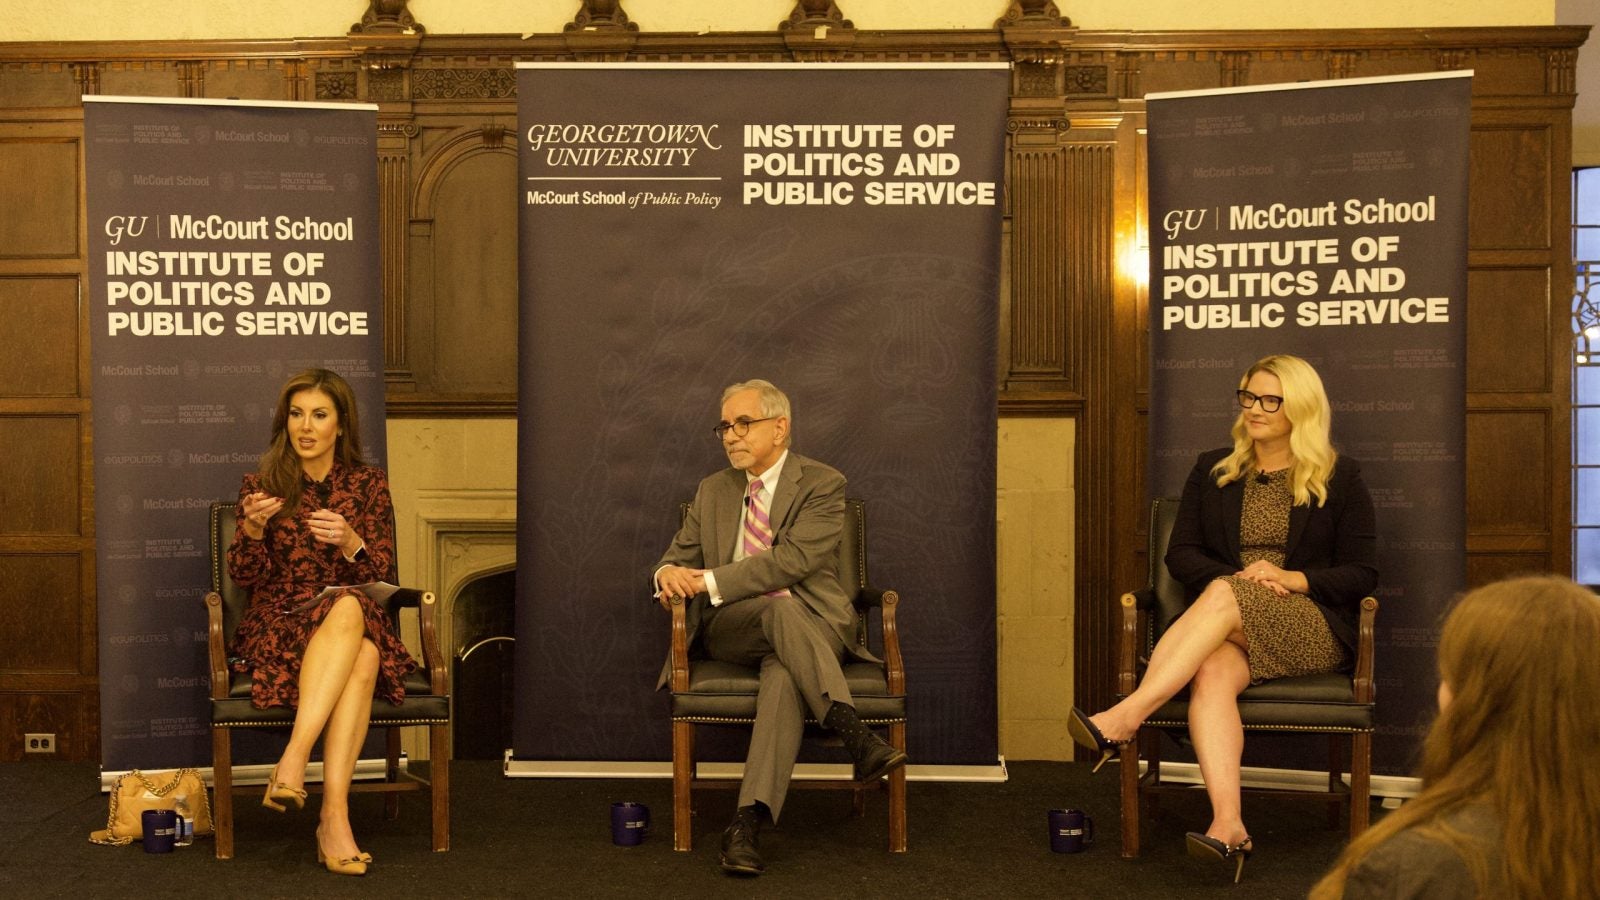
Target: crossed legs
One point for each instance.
(337, 677)
(1204, 649)
(799, 660)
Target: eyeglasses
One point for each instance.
(1269, 402)
(740, 426)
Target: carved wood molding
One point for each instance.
(450, 406)
(809, 15)
(394, 188)
(192, 78)
(1128, 75)
(463, 84)
(88, 77)
(1561, 75)
(1235, 67)
(496, 51)
(1451, 59)
(601, 15)
(1033, 14)
(387, 17)
(1342, 63)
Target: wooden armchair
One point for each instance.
(427, 701)
(1337, 704)
(710, 692)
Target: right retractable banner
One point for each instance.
(1327, 220)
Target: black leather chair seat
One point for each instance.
(723, 691)
(419, 708)
(1325, 702)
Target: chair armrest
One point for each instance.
(216, 646)
(1128, 639)
(1144, 598)
(869, 598)
(1366, 690)
(406, 598)
(894, 663)
(427, 604)
(679, 608)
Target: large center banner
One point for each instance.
(231, 245)
(1328, 220)
(834, 229)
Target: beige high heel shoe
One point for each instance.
(355, 865)
(277, 791)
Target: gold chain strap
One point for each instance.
(105, 837)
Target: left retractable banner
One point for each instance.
(231, 245)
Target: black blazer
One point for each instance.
(1335, 545)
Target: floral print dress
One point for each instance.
(288, 568)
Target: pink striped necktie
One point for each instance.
(757, 532)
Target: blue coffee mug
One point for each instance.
(160, 829)
(1070, 831)
(629, 823)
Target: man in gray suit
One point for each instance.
(758, 553)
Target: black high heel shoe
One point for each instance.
(1085, 734)
(1203, 846)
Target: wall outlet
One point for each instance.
(39, 743)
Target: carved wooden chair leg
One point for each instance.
(897, 793)
(682, 784)
(222, 791)
(439, 785)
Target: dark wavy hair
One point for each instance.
(280, 465)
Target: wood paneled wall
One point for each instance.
(1073, 324)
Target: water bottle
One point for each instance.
(185, 835)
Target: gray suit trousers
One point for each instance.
(798, 655)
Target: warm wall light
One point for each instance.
(1135, 264)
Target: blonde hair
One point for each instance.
(1517, 656)
(1305, 405)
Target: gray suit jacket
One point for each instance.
(807, 516)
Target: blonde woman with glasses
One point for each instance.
(1275, 544)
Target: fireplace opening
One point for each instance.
(483, 632)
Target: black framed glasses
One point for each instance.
(1269, 402)
(740, 426)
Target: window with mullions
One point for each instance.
(1586, 376)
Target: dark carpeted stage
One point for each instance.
(544, 838)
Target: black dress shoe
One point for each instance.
(876, 759)
(739, 854)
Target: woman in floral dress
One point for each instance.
(315, 516)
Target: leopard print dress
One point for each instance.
(1287, 635)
